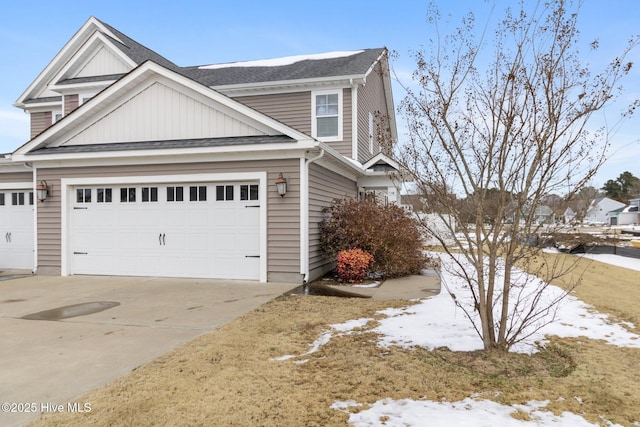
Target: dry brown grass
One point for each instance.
(228, 377)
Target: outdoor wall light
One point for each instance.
(281, 185)
(42, 191)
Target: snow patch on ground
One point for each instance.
(467, 412)
(439, 322)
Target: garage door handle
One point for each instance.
(161, 239)
(8, 237)
(252, 256)
(163, 242)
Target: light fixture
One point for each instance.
(281, 185)
(42, 191)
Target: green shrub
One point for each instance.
(386, 232)
(353, 265)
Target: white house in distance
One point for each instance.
(137, 166)
(626, 215)
(598, 210)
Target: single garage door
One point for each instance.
(170, 230)
(16, 229)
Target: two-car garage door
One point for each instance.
(169, 229)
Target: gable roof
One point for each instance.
(93, 29)
(75, 129)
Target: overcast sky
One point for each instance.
(203, 32)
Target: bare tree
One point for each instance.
(503, 124)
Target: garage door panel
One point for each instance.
(16, 229)
(195, 235)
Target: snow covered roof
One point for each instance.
(345, 64)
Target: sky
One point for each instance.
(204, 32)
(437, 322)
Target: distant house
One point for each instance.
(544, 215)
(598, 210)
(625, 215)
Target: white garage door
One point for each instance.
(16, 229)
(170, 230)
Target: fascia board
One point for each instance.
(283, 86)
(75, 87)
(63, 56)
(381, 156)
(344, 162)
(174, 155)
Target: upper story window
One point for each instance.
(326, 124)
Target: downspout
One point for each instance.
(304, 220)
(35, 217)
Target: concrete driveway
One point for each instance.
(48, 363)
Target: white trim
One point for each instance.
(176, 155)
(70, 48)
(26, 185)
(354, 122)
(304, 195)
(314, 123)
(35, 222)
(67, 183)
(287, 86)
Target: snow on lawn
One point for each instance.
(467, 412)
(619, 261)
(438, 322)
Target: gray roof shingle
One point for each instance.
(357, 64)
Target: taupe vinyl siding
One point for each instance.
(292, 109)
(283, 213)
(345, 147)
(71, 102)
(16, 177)
(39, 122)
(324, 187)
(371, 99)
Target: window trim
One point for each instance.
(314, 118)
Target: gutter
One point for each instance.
(304, 216)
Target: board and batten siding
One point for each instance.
(371, 99)
(324, 187)
(162, 112)
(294, 110)
(283, 213)
(39, 122)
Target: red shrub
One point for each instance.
(353, 265)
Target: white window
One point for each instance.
(326, 108)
